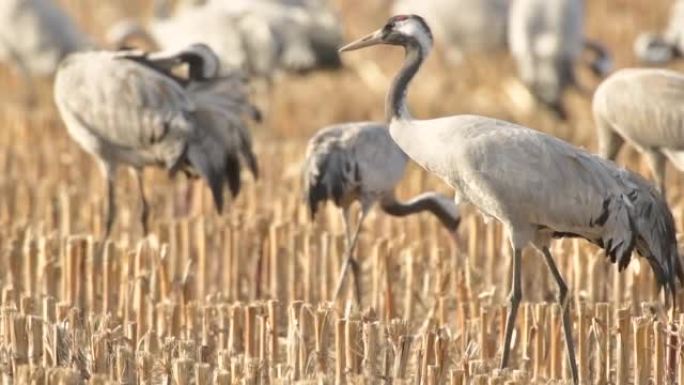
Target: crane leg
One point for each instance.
(567, 325)
(656, 161)
(144, 206)
(110, 175)
(515, 297)
(350, 261)
(609, 142)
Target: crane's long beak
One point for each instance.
(366, 41)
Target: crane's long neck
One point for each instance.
(395, 106)
(439, 205)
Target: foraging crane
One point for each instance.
(659, 48)
(307, 32)
(538, 186)
(360, 162)
(240, 40)
(546, 39)
(127, 108)
(462, 25)
(35, 35)
(643, 107)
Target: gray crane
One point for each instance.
(644, 107)
(241, 40)
(546, 40)
(463, 26)
(307, 32)
(128, 108)
(359, 162)
(538, 186)
(35, 35)
(661, 47)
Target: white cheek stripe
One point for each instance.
(413, 28)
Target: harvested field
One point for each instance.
(245, 297)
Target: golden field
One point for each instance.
(244, 297)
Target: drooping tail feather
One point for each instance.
(640, 220)
(216, 155)
(328, 174)
(221, 139)
(233, 174)
(227, 100)
(210, 167)
(656, 238)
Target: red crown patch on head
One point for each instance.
(401, 17)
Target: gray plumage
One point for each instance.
(241, 41)
(35, 35)
(306, 32)
(644, 108)
(462, 26)
(661, 47)
(127, 108)
(539, 187)
(546, 40)
(359, 162)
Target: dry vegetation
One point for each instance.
(244, 297)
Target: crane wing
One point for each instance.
(121, 101)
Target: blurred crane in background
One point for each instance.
(307, 32)
(546, 39)
(259, 36)
(644, 107)
(128, 108)
(661, 47)
(35, 35)
(462, 26)
(241, 41)
(359, 162)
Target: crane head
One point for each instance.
(652, 48)
(403, 30)
(202, 61)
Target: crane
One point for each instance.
(241, 41)
(538, 186)
(262, 37)
(307, 32)
(661, 47)
(359, 162)
(128, 108)
(643, 107)
(546, 39)
(463, 26)
(35, 35)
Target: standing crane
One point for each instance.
(128, 108)
(644, 107)
(538, 186)
(546, 39)
(463, 26)
(660, 48)
(35, 35)
(359, 162)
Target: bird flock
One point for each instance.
(184, 104)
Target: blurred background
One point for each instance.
(296, 104)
